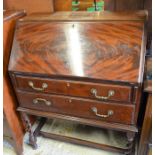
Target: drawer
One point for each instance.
(111, 112)
(43, 85)
(76, 88)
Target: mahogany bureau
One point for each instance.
(83, 67)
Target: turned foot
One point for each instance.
(28, 128)
(130, 144)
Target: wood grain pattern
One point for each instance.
(77, 107)
(76, 88)
(10, 102)
(93, 50)
(96, 123)
(74, 52)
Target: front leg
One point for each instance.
(130, 145)
(28, 128)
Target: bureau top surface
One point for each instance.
(87, 16)
(107, 50)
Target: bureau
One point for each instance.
(82, 67)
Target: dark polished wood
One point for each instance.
(83, 67)
(130, 144)
(121, 5)
(109, 43)
(39, 127)
(10, 103)
(77, 107)
(28, 128)
(75, 88)
(84, 142)
(97, 123)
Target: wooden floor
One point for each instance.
(52, 147)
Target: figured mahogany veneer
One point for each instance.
(109, 50)
(83, 67)
(77, 107)
(75, 88)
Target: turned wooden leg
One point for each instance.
(130, 137)
(28, 128)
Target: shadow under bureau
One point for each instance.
(82, 67)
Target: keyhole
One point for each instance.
(70, 101)
(68, 84)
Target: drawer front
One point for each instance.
(75, 88)
(101, 92)
(110, 112)
(41, 85)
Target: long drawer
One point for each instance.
(111, 112)
(97, 91)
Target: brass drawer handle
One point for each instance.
(110, 93)
(44, 86)
(37, 100)
(109, 113)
